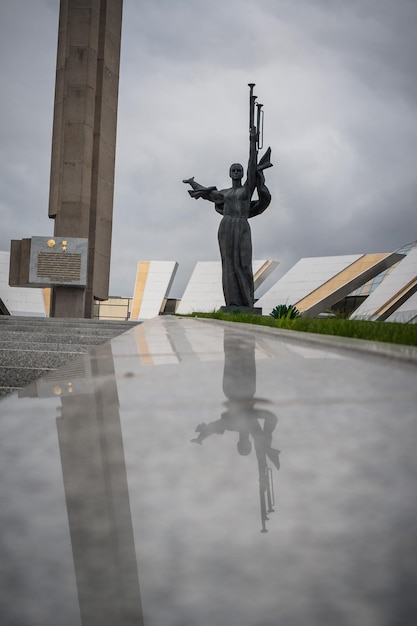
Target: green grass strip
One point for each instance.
(390, 332)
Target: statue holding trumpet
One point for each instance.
(236, 206)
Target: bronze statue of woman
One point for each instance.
(236, 206)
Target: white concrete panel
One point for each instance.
(265, 270)
(204, 290)
(406, 313)
(21, 301)
(401, 275)
(303, 278)
(158, 283)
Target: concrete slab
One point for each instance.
(140, 492)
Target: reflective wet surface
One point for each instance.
(193, 473)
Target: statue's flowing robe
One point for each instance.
(234, 236)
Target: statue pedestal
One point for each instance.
(250, 310)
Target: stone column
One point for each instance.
(84, 142)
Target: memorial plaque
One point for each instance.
(58, 261)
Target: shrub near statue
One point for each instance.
(236, 206)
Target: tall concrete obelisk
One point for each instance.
(84, 141)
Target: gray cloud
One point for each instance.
(338, 83)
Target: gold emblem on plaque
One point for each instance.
(50, 243)
(64, 245)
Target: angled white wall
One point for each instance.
(390, 298)
(204, 290)
(153, 282)
(305, 276)
(406, 313)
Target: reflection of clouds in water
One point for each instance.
(196, 507)
(339, 544)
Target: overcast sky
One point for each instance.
(338, 82)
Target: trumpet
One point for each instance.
(259, 117)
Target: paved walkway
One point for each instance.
(32, 347)
(196, 472)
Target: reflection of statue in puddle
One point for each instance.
(244, 415)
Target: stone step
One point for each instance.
(52, 345)
(39, 325)
(15, 378)
(48, 359)
(15, 319)
(32, 347)
(69, 336)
